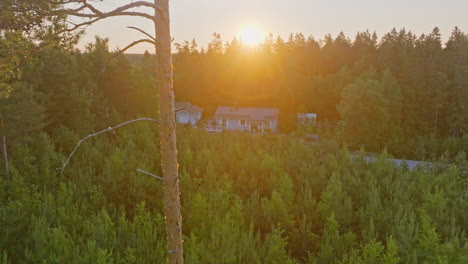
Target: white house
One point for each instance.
(306, 119)
(251, 119)
(186, 113)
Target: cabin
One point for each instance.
(307, 119)
(251, 119)
(186, 113)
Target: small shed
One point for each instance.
(187, 113)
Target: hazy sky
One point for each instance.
(200, 18)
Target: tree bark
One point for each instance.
(168, 133)
(4, 147)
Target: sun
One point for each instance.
(251, 35)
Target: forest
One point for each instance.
(265, 198)
(402, 92)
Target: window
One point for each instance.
(242, 122)
(267, 124)
(223, 122)
(310, 121)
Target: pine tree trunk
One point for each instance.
(168, 134)
(4, 148)
(5, 155)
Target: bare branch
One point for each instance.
(150, 174)
(98, 133)
(105, 15)
(134, 43)
(95, 18)
(122, 8)
(95, 14)
(76, 10)
(145, 33)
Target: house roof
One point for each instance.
(247, 113)
(187, 107)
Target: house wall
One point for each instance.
(274, 125)
(307, 121)
(234, 124)
(183, 117)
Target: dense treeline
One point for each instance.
(245, 198)
(58, 89)
(403, 93)
(397, 92)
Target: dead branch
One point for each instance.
(121, 8)
(101, 132)
(150, 174)
(87, 10)
(133, 44)
(105, 15)
(144, 32)
(83, 9)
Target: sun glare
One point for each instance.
(251, 35)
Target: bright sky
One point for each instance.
(200, 18)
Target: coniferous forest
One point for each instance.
(264, 198)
